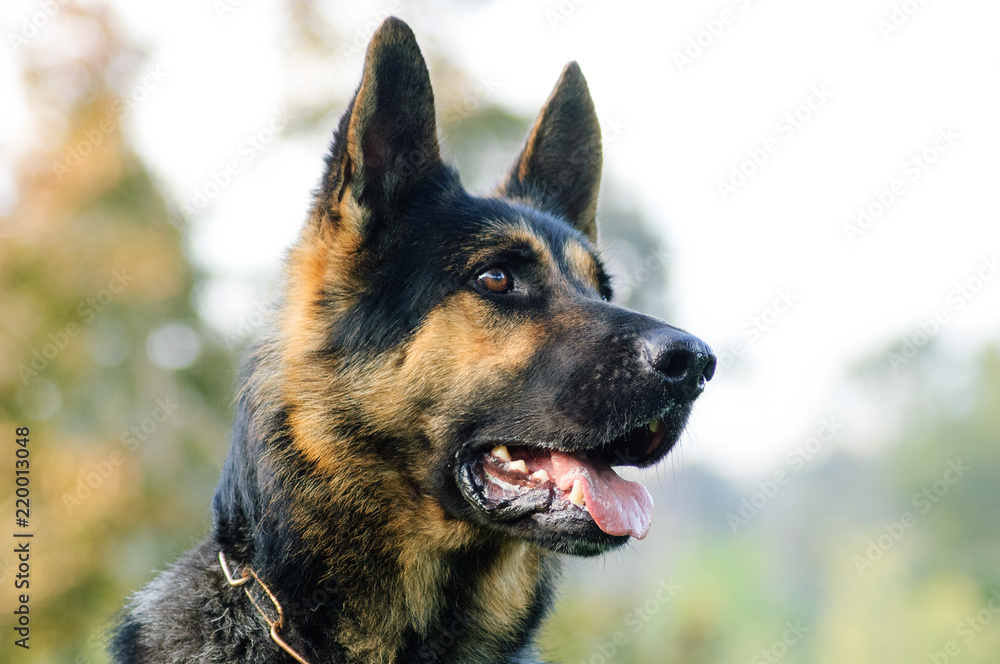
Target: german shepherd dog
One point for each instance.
(435, 411)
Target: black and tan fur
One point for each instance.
(386, 367)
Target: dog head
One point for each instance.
(461, 356)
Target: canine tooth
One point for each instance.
(500, 452)
(654, 426)
(576, 495)
(541, 475)
(519, 465)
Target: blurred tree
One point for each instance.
(124, 391)
(948, 461)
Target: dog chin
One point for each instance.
(573, 538)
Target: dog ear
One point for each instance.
(559, 168)
(387, 139)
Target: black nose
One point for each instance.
(684, 361)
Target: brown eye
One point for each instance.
(495, 280)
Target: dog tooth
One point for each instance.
(541, 475)
(519, 465)
(500, 452)
(654, 426)
(576, 495)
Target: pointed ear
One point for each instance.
(387, 140)
(560, 166)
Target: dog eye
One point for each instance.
(495, 280)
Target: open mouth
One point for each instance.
(569, 488)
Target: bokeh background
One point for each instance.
(810, 187)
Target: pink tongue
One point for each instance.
(619, 507)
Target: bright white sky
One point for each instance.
(681, 130)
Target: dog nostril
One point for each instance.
(687, 369)
(709, 369)
(674, 364)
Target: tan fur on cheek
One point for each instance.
(462, 351)
(318, 267)
(462, 347)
